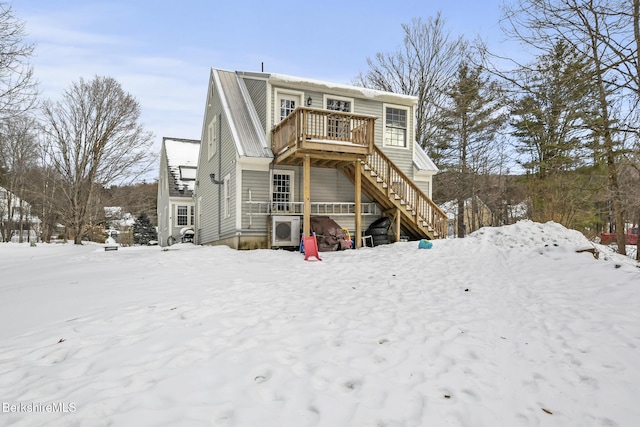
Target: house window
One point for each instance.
(282, 191)
(212, 136)
(395, 127)
(192, 214)
(339, 127)
(227, 197)
(343, 105)
(286, 103)
(287, 106)
(187, 173)
(181, 216)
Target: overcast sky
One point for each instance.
(161, 51)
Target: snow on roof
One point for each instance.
(422, 161)
(365, 92)
(182, 153)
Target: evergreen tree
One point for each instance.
(550, 120)
(143, 230)
(469, 134)
(550, 115)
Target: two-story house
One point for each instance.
(176, 210)
(278, 149)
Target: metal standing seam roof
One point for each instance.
(251, 140)
(421, 160)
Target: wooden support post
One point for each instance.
(398, 221)
(306, 227)
(358, 209)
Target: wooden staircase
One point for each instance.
(389, 187)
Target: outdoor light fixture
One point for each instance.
(213, 179)
(309, 102)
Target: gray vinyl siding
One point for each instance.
(214, 226)
(327, 185)
(330, 185)
(423, 185)
(316, 99)
(258, 183)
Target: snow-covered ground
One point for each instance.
(507, 327)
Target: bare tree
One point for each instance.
(422, 67)
(18, 87)
(18, 155)
(94, 139)
(590, 29)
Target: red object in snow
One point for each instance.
(631, 237)
(310, 245)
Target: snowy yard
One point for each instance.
(508, 327)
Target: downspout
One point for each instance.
(220, 176)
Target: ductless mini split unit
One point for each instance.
(285, 230)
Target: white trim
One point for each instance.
(175, 219)
(238, 190)
(339, 98)
(260, 164)
(226, 187)
(292, 175)
(408, 134)
(276, 108)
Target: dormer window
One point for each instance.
(188, 173)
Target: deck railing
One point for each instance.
(317, 208)
(307, 124)
(398, 184)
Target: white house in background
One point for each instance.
(176, 210)
(119, 222)
(16, 218)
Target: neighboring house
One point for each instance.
(176, 210)
(119, 224)
(476, 215)
(17, 224)
(278, 149)
(516, 212)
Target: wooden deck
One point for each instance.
(332, 139)
(329, 138)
